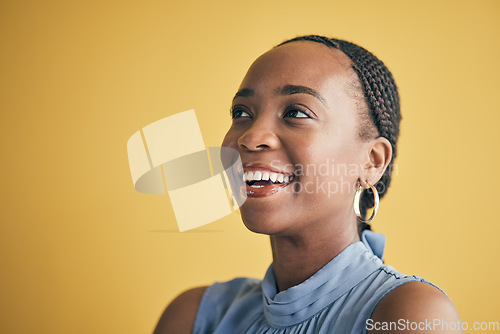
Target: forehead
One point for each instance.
(302, 63)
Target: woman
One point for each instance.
(316, 122)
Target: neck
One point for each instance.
(298, 257)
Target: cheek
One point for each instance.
(327, 149)
(330, 166)
(230, 140)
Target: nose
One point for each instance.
(259, 136)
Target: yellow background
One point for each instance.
(83, 252)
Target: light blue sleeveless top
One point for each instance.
(339, 298)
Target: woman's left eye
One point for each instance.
(295, 113)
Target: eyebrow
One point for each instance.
(295, 89)
(245, 92)
(286, 90)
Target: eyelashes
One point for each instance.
(295, 112)
(239, 112)
(292, 111)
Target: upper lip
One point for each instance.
(253, 166)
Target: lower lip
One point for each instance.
(266, 190)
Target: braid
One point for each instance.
(381, 97)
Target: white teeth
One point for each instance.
(266, 176)
(273, 177)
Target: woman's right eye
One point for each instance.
(239, 113)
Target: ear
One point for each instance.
(379, 155)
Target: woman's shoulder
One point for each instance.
(390, 300)
(415, 305)
(180, 314)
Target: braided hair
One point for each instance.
(381, 98)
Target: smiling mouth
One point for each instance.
(261, 183)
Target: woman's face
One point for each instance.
(295, 120)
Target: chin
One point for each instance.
(257, 222)
(264, 222)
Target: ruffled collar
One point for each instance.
(337, 277)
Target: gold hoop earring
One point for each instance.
(357, 199)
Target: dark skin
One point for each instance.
(284, 129)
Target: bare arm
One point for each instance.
(415, 307)
(179, 316)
